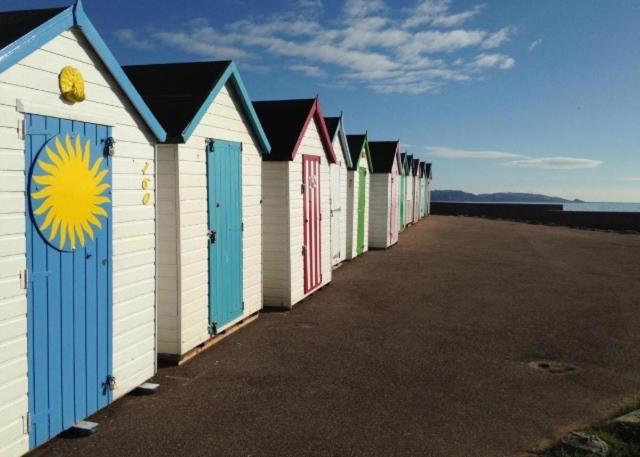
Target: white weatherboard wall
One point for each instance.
(183, 244)
(34, 81)
(352, 207)
(283, 226)
(339, 200)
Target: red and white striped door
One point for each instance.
(311, 208)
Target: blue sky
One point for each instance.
(518, 95)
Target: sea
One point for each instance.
(603, 207)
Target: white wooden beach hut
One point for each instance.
(358, 178)
(423, 182)
(415, 168)
(427, 193)
(209, 191)
(296, 193)
(77, 227)
(383, 197)
(338, 192)
(409, 194)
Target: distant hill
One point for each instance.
(499, 197)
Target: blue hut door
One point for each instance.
(68, 277)
(224, 181)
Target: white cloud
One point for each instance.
(485, 61)
(308, 70)
(631, 178)
(453, 153)
(362, 8)
(534, 44)
(437, 13)
(557, 163)
(131, 39)
(496, 39)
(369, 45)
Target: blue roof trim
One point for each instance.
(343, 140)
(231, 74)
(75, 16)
(90, 32)
(35, 39)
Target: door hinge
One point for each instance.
(302, 188)
(211, 234)
(26, 424)
(209, 142)
(212, 329)
(242, 227)
(304, 250)
(243, 306)
(24, 279)
(111, 383)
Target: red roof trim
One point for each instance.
(316, 113)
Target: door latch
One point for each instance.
(211, 234)
(213, 329)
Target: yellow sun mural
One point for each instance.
(69, 193)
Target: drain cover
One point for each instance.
(552, 366)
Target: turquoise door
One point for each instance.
(224, 181)
(69, 287)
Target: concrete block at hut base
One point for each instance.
(630, 418)
(84, 428)
(592, 445)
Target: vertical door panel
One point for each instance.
(69, 298)
(311, 217)
(224, 183)
(336, 215)
(393, 216)
(362, 189)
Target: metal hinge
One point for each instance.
(243, 306)
(302, 188)
(242, 226)
(24, 279)
(26, 424)
(304, 250)
(209, 142)
(212, 329)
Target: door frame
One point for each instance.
(309, 286)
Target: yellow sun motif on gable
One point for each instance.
(71, 193)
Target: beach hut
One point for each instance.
(77, 230)
(422, 173)
(358, 196)
(408, 191)
(338, 191)
(209, 239)
(402, 192)
(415, 168)
(427, 192)
(383, 198)
(296, 193)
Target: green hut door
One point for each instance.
(362, 188)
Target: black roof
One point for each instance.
(282, 121)
(383, 153)
(332, 125)
(414, 166)
(428, 170)
(175, 91)
(356, 143)
(16, 24)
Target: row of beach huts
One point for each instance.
(146, 210)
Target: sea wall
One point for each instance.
(551, 214)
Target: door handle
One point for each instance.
(211, 234)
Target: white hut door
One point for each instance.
(311, 216)
(336, 214)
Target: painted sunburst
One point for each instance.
(69, 198)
